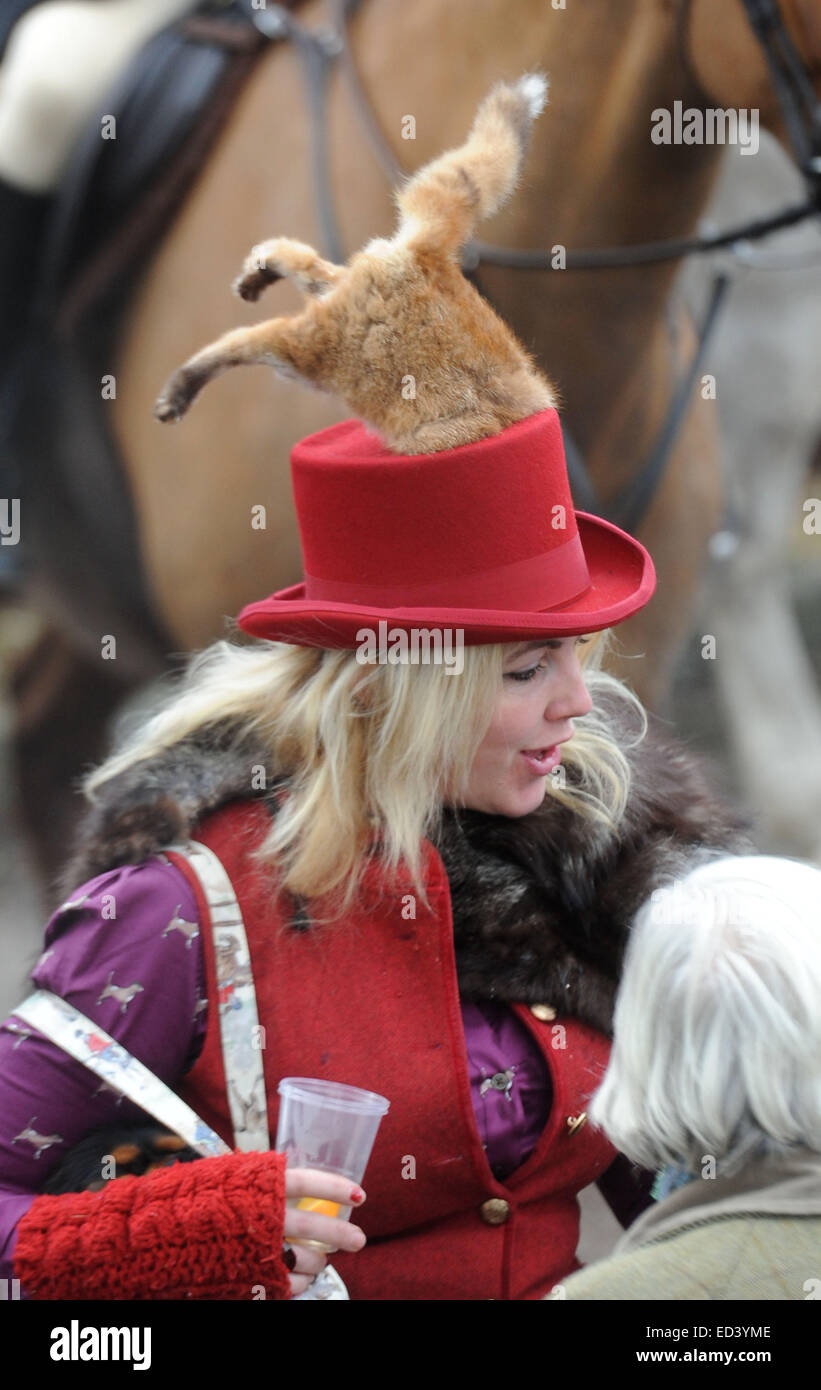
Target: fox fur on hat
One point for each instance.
(398, 332)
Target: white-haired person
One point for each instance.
(714, 1079)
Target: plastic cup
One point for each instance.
(327, 1125)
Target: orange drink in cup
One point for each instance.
(330, 1126)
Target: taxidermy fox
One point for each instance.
(398, 332)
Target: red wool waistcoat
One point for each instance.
(374, 1002)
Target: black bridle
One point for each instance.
(318, 49)
(800, 106)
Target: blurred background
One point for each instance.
(144, 149)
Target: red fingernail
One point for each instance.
(357, 1196)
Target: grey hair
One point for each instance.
(717, 1029)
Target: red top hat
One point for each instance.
(483, 538)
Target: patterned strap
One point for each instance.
(90, 1044)
(240, 1034)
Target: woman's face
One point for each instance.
(542, 690)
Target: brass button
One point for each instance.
(495, 1211)
(544, 1012)
(575, 1122)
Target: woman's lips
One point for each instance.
(542, 760)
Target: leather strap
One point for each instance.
(240, 1033)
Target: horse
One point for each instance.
(615, 341)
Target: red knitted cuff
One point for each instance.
(206, 1230)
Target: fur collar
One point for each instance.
(541, 904)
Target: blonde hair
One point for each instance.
(367, 748)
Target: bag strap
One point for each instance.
(240, 1034)
(241, 1037)
(90, 1044)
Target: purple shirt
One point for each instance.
(113, 931)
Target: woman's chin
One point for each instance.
(521, 801)
(534, 798)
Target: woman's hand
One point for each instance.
(318, 1225)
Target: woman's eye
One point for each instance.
(541, 666)
(525, 675)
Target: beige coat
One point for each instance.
(756, 1235)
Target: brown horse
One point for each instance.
(614, 341)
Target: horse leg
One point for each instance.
(762, 668)
(766, 684)
(281, 258)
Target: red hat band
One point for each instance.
(462, 527)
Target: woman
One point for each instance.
(465, 969)
(411, 871)
(715, 1076)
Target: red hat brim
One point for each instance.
(622, 580)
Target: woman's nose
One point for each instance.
(573, 699)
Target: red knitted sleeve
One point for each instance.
(206, 1230)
